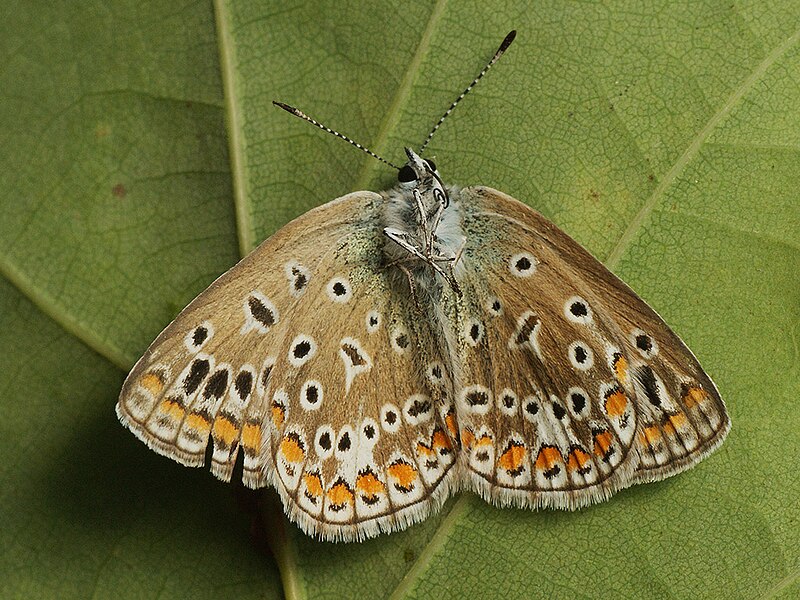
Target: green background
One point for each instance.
(140, 156)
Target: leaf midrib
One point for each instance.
(392, 117)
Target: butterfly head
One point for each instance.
(420, 174)
(417, 170)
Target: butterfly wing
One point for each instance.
(291, 356)
(363, 444)
(570, 386)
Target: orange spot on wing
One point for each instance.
(340, 494)
(621, 368)
(251, 437)
(313, 484)
(369, 484)
(616, 403)
(694, 396)
(467, 438)
(650, 435)
(674, 422)
(425, 450)
(198, 421)
(512, 458)
(404, 473)
(441, 440)
(225, 430)
(548, 456)
(172, 408)
(484, 440)
(602, 442)
(450, 422)
(153, 383)
(278, 414)
(577, 458)
(292, 449)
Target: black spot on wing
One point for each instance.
(647, 379)
(197, 373)
(260, 312)
(217, 384)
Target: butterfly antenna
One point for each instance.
(299, 113)
(503, 47)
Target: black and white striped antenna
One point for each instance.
(503, 47)
(299, 113)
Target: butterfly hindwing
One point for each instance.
(572, 387)
(361, 445)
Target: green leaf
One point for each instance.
(139, 151)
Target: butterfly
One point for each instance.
(385, 350)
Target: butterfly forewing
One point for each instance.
(571, 386)
(301, 357)
(204, 374)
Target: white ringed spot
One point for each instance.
(644, 343)
(527, 332)
(345, 441)
(323, 441)
(260, 313)
(473, 332)
(418, 409)
(339, 290)
(301, 350)
(199, 336)
(243, 384)
(370, 432)
(400, 340)
(531, 405)
(578, 402)
(373, 321)
(355, 359)
(298, 277)
(580, 356)
(557, 408)
(476, 399)
(311, 395)
(507, 402)
(577, 310)
(390, 418)
(493, 306)
(435, 373)
(522, 264)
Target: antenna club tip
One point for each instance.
(285, 107)
(507, 41)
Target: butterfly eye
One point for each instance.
(406, 174)
(431, 164)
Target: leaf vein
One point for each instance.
(694, 147)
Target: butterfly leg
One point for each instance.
(411, 285)
(460, 251)
(437, 218)
(422, 222)
(401, 239)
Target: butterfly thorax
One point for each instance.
(424, 238)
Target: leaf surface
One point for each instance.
(141, 154)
